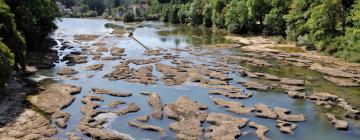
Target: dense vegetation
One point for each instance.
(24, 25)
(330, 26)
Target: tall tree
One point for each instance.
(258, 9)
(274, 21)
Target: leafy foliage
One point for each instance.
(6, 63)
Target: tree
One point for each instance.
(129, 17)
(6, 63)
(274, 21)
(236, 17)
(218, 16)
(258, 9)
(173, 15)
(196, 10)
(207, 22)
(183, 13)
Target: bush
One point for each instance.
(129, 17)
(196, 10)
(305, 41)
(6, 63)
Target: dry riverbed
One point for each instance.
(108, 87)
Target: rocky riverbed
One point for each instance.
(106, 86)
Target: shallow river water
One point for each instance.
(159, 35)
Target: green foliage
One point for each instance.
(129, 17)
(274, 21)
(355, 15)
(165, 13)
(183, 13)
(258, 9)
(196, 10)
(236, 17)
(207, 22)
(173, 15)
(6, 63)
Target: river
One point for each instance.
(160, 35)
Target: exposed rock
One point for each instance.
(263, 111)
(295, 94)
(342, 82)
(28, 125)
(132, 107)
(30, 70)
(233, 106)
(284, 115)
(260, 130)
(254, 86)
(75, 59)
(335, 72)
(144, 61)
(232, 94)
(73, 136)
(85, 37)
(295, 82)
(225, 126)
(122, 71)
(143, 118)
(101, 49)
(115, 51)
(189, 129)
(170, 75)
(147, 127)
(97, 133)
(225, 46)
(109, 92)
(55, 97)
(110, 58)
(67, 71)
(252, 61)
(155, 103)
(144, 75)
(184, 108)
(271, 77)
(285, 127)
(218, 75)
(292, 88)
(115, 103)
(338, 124)
(95, 67)
(61, 118)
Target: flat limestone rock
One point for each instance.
(132, 107)
(295, 94)
(144, 76)
(73, 136)
(61, 118)
(342, 82)
(234, 94)
(292, 88)
(28, 125)
(232, 106)
(260, 130)
(284, 115)
(155, 103)
(115, 103)
(67, 71)
(95, 67)
(338, 124)
(147, 127)
(143, 118)
(55, 97)
(189, 129)
(271, 77)
(295, 82)
(335, 72)
(109, 92)
(225, 126)
(184, 109)
(285, 127)
(254, 86)
(263, 111)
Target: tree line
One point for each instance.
(24, 25)
(329, 26)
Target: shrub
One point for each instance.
(129, 17)
(6, 63)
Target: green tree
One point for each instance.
(274, 21)
(236, 17)
(6, 63)
(196, 10)
(207, 22)
(258, 9)
(183, 13)
(173, 15)
(218, 14)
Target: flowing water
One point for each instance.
(159, 35)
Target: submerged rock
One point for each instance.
(55, 97)
(147, 127)
(184, 108)
(335, 72)
(28, 125)
(170, 75)
(260, 130)
(144, 75)
(155, 103)
(338, 124)
(109, 92)
(73, 136)
(61, 118)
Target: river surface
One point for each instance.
(159, 35)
